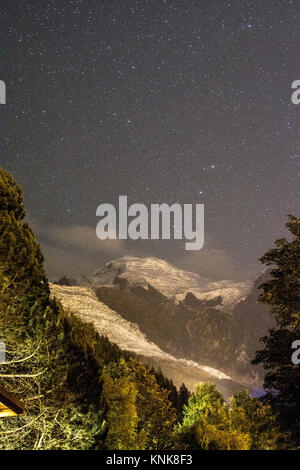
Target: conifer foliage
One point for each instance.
(282, 294)
(46, 347)
(209, 423)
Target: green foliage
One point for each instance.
(177, 398)
(157, 417)
(251, 417)
(22, 277)
(182, 400)
(210, 424)
(120, 393)
(282, 294)
(52, 365)
(205, 395)
(140, 415)
(213, 431)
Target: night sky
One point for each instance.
(183, 101)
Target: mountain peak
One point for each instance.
(169, 280)
(162, 275)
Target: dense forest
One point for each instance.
(80, 391)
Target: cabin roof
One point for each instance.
(9, 405)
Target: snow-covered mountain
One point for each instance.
(83, 302)
(217, 324)
(169, 280)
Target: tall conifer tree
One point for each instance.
(282, 294)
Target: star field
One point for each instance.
(161, 100)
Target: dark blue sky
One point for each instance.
(163, 101)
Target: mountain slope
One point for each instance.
(253, 319)
(83, 301)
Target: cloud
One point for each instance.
(212, 263)
(73, 250)
(82, 237)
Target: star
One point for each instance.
(155, 100)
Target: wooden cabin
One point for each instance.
(9, 405)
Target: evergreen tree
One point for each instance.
(182, 400)
(140, 416)
(210, 424)
(120, 393)
(51, 363)
(282, 294)
(157, 417)
(23, 284)
(204, 395)
(206, 422)
(249, 416)
(168, 385)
